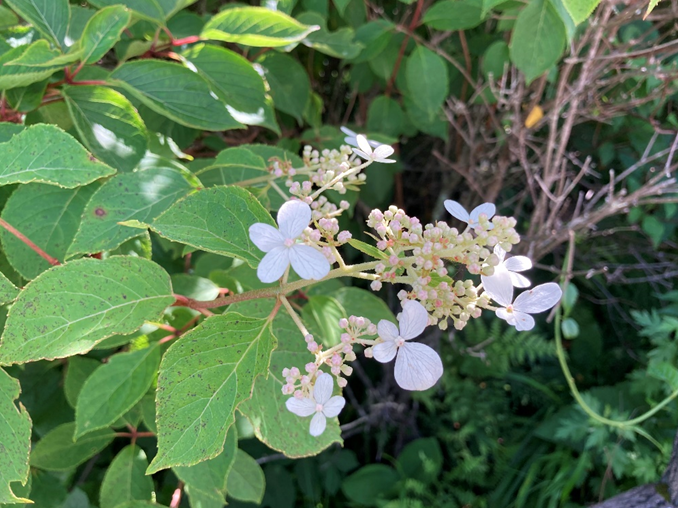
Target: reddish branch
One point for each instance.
(401, 53)
(52, 261)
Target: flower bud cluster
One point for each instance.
(419, 256)
(332, 169)
(356, 329)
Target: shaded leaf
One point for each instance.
(289, 83)
(57, 451)
(50, 17)
(246, 480)
(8, 291)
(102, 31)
(176, 92)
(15, 436)
(125, 479)
(114, 388)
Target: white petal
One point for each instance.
(386, 161)
(499, 285)
(384, 352)
(538, 299)
(308, 262)
(518, 263)
(363, 144)
(456, 210)
(318, 424)
(361, 154)
(507, 316)
(293, 218)
(487, 208)
(265, 236)
(519, 281)
(301, 407)
(274, 264)
(322, 391)
(523, 321)
(383, 151)
(500, 253)
(387, 330)
(334, 406)
(348, 131)
(413, 319)
(417, 367)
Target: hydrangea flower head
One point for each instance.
(282, 246)
(320, 404)
(417, 367)
(473, 218)
(536, 300)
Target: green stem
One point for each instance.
(560, 351)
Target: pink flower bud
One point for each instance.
(311, 367)
(312, 347)
(298, 394)
(336, 359)
(294, 372)
(343, 323)
(341, 382)
(335, 370)
(375, 285)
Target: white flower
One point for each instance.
(417, 366)
(504, 278)
(364, 147)
(282, 248)
(473, 218)
(536, 300)
(351, 136)
(321, 403)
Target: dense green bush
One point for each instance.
(142, 355)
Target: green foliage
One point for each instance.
(142, 138)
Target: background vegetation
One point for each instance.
(559, 111)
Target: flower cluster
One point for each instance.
(424, 258)
(419, 256)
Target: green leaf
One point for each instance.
(215, 220)
(24, 65)
(15, 436)
(650, 7)
(192, 286)
(538, 39)
(421, 459)
(125, 479)
(69, 309)
(8, 291)
(45, 153)
(580, 10)
(151, 10)
(235, 165)
(374, 36)
(369, 483)
(666, 372)
(114, 388)
(273, 424)
(339, 44)
(289, 83)
(236, 83)
(361, 302)
(49, 216)
(79, 369)
(207, 479)
(49, 17)
(142, 196)
(427, 79)
(9, 130)
(385, 116)
(108, 125)
(57, 451)
(454, 15)
(256, 26)
(322, 313)
(246, 481)
(27, 98)
(204, 376)
(102, 31)
(176, 92)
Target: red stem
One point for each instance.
(52, 261)
(401, 53)
(186, 40)
(176, 496)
